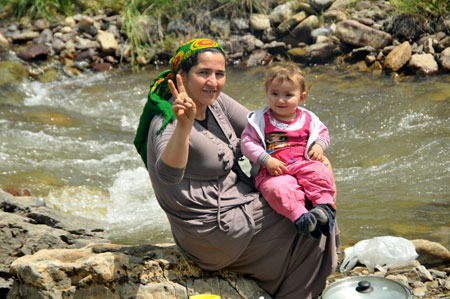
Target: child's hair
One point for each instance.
(282, 72)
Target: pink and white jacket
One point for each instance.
(253, 143)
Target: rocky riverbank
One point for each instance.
(48, 254)
(371, 34)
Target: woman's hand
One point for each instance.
(176, 151)
(275, 166)
(183, 107)
(316, 153)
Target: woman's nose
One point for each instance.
(212, 80)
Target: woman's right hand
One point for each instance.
(183, 107)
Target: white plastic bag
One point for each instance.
(380, 252)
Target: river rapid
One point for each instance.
(70, 142)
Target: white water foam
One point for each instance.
(133, 202)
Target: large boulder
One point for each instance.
(110, 271)
(359, 35)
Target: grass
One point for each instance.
(429, 8)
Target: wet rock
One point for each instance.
(36, 51)
(259, 22)
(423, 64)
(102, 67)
(258, 58)
(12, 75)
(357, 34)
(398, 57)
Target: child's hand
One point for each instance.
(275, 166)
(316, 153)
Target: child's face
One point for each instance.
(284, 98)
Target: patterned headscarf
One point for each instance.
(159, 94)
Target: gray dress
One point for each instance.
(220, 221)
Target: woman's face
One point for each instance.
(205, 80)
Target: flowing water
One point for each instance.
(70, 143)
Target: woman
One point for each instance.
(191, 146)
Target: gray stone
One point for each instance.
(259, 22)
(354, 33)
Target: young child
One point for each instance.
(286, 143)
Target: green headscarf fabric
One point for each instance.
(159, 94)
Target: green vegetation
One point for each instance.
(428, 8)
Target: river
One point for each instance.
(70, 142)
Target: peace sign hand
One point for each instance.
(183, 107)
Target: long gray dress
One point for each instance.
(220, 221)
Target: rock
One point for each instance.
(12, 75)
(86, 24)
(406, 27)
(240, 24)
(423, 64)
(259, 22)
(357, 34)
(362, 5)
(45, 36)
(258, 58)
(302, 32)
(36, 51)
(102, 67)
(322, 52)
(281, 13)
(220, 27)
(431, 252)
(107, 41)
(398, 57)
(334, 16)
(41, 24)
(341, 4)
(444, 59)
(275, 48)
(70, 21)
(320, 5)
(297, 54)
(25, 36)
(4, 43)
(119, 271)
(291, 22)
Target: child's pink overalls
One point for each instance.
(286, 193)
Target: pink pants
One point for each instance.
(286, 193)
